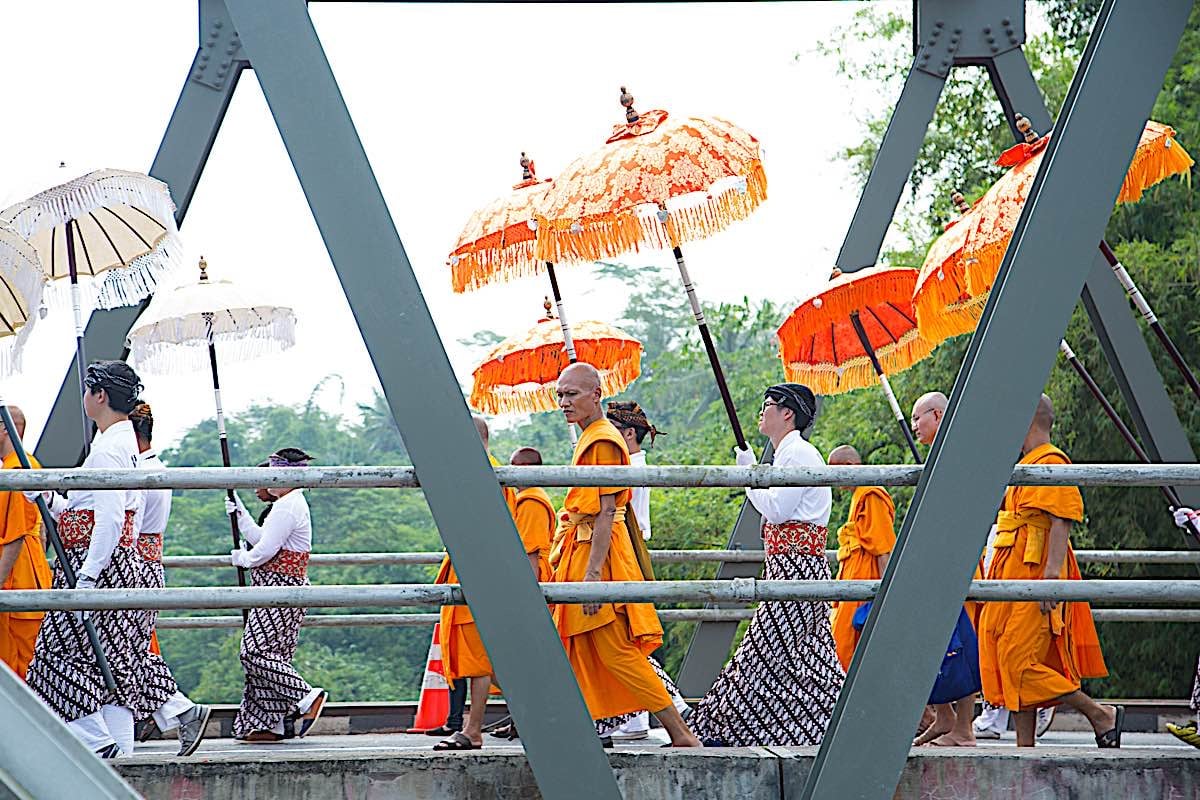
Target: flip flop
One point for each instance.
(458, 741)
(441, 730)
(1111, 740)
(309, 718)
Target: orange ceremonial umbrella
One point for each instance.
(943, 306)
(858, 329)
(1158, 156)
(658, 182)
(497, 243)
(520, 373)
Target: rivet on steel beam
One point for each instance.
(945, 62)
(219, 24)
(995, 49)
(938, 24)
(987, 31)
(1006, 21)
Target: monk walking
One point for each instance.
(1034, 654)
(606, 643)
(22, 558)
(864, 544)
(463, 653)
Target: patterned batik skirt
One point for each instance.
(64, 671)
(158, 684)
(1196, 690)
(606, 726)
(273, 687)
(780, 686)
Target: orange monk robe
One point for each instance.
(463, 654)
(1027, 659)
(21, 522)
(535, 518)
(608, 649)
(869, 532)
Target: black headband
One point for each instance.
(99, 375)
(798, 398)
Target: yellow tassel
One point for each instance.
(944, 310)
(858, 372)
(473, 270)
(524, 381)
(1152, 164)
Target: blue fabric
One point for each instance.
(860, 616)
(959, 675)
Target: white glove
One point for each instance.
(230, 506)
(83, 582)
(240, 558)
(33, 496)
(1184, 517)
(745, 458)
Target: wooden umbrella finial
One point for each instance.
(528, 170)
(203, 270)
(631, 116)
(548, 306)
(1025, 127)
(960, 202)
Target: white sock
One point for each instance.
(304, 705)
(119, 720)
(167, 717)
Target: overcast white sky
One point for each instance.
(444, 97)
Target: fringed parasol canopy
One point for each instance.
(21, 282)
(943, 306)
(519, 374)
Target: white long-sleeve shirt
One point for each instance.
(114, 448)
(287, 527)
(155, 507)
(640, 499)
(800, 503)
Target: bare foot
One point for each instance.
(934, 731)
(687, 741)
(1107, 722)
(927, 719)
(953, 739)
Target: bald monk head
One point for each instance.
(844, 455)
(1039, 429)
(525, 457)
(927, 415)
(579, 394)
(6, 446)
(481, 426)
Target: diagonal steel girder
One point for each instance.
(425, 399)
(1005, 368)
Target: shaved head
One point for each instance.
(18, 417)
(526, 457)
(1043, 417)
(587, 376)
(927, 415)
(844, 455)
(578, 394)
(481, 426)
(6, 445)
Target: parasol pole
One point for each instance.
(885, 384)
(1143, 308)
(709, 347)
(568, 341)
(60, 552)
(77, 309)
(221, 433)
(1172, 497)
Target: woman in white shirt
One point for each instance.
(780, 686)
(97, 531)
(277, 703)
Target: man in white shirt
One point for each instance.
(781, 684)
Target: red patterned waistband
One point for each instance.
(288, 562)
(149, 545)
(793, 537)
(75, 528)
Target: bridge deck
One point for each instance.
(1065, 764)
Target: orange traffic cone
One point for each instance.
(434, 705)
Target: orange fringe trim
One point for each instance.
(625, 230)
(944, 309)
(488, 265)
(847, 294)
(1153, 163)
(525, 382)
(858, 373)
(983, 265)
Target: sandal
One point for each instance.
(1111, 739)
(309, 718)
(508, 732)
(457, 741)
(1185, 733)
(441, 730)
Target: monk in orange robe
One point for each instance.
(864, 544)
(535, 517)
(606, 643)
(1034, 654)
(22, 559)
(463, 654)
